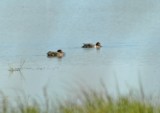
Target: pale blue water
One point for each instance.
(128, 31)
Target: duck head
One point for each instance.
(59, 51)
(98, 44)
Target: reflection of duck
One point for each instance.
(59, 53)
(89, 45)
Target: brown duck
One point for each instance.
(89, 45)
(59, 53)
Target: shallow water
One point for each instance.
(130, 51)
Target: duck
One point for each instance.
(89, 45)
(59, 53)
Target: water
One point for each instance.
(129, 33)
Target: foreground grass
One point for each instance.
(94, 102)
(89, 102)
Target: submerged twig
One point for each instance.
(12, 69)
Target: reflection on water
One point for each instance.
(129, 36)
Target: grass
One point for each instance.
(88, 102)
(94, 102)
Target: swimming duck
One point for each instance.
(89, 45)
(59, 53)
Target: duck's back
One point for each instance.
(88, 45)
(52, 53)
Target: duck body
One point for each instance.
(58, 53)
(89, 45)
(52, 53)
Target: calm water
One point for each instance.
(129, 33)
